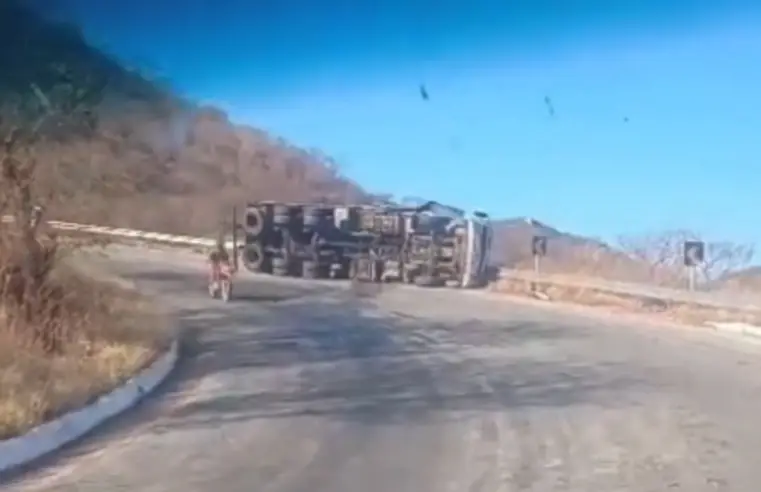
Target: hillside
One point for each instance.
(149, 149)
(139, 156)
(567, 253)
(512, 241)
(746, 279)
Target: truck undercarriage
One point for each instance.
(364, 243)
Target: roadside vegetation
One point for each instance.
(84, 139)
(575, 266)
(65, 337)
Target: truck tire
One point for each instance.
(281, 215)
(253, 257)
(254, 221)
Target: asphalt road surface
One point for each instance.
(309, 387)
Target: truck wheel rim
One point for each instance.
(254, 221)
(253, 256)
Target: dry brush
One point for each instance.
(651, 259)
(64, 337)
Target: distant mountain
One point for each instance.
(512, 241)
(567, 253)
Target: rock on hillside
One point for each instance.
(179, 166)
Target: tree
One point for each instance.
(663, 253)
(36, 125)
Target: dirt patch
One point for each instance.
(106, 332)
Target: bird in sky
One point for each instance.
(423, 92)
(550, 107)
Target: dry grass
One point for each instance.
(106, 333)
(655, 263)
(588, 261)
(686, 313)
(653, 259)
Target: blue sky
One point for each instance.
(343, 76)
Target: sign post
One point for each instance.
(538, 250)
(694, 256)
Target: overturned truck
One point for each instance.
(428, 245)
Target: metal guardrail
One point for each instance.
(718, 300)
(123, 233)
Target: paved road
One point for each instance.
(299, 387)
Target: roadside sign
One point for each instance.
(539, 245)
(694, 253)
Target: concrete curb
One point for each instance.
(738, 329)
(53, 435)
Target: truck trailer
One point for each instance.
(427, 245)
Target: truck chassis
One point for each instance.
(363, 243)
